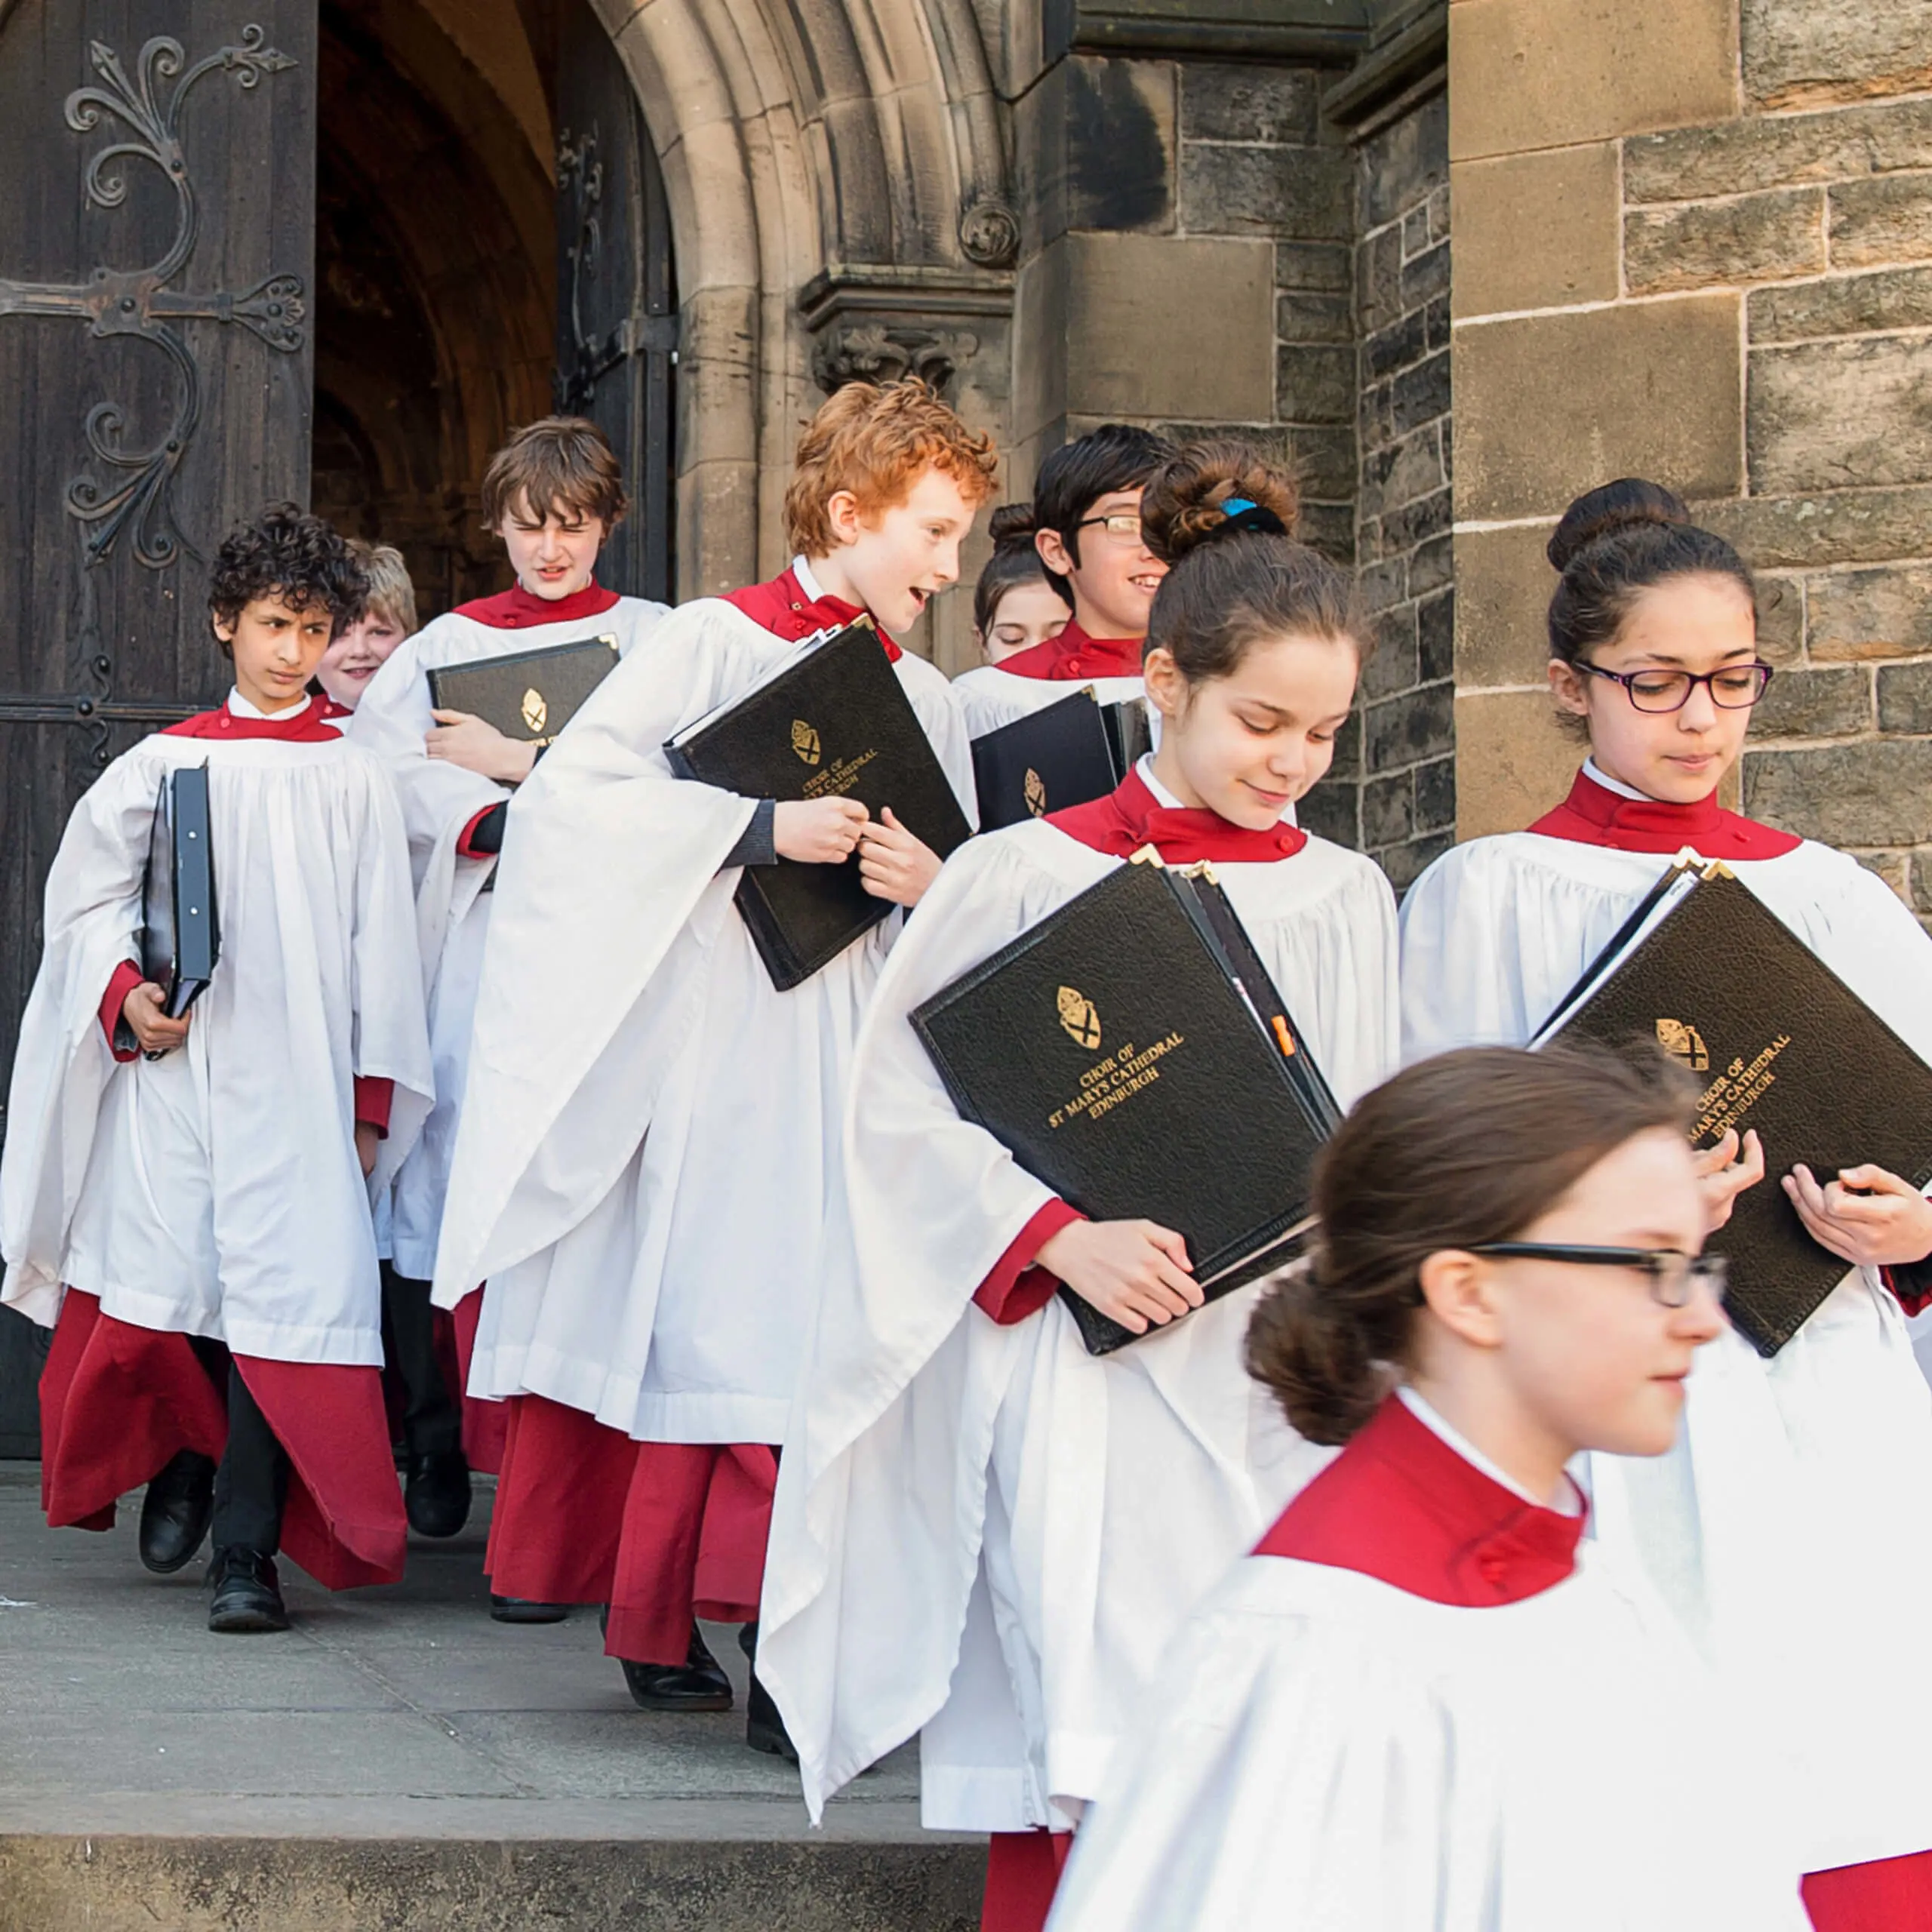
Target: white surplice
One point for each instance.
(990, 697)
(984, 1530)
(439, 799)
(215, 1190)
(1327, 1751)
(649, 1137)
(1789, 1529)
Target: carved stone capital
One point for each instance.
(872, 352)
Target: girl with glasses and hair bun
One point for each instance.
(1427, 1698)
(1790, 1517)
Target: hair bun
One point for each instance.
(1628, 503)
(1011, 524)
(1181, 509)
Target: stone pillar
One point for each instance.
(1693, 242)
(1185, 225)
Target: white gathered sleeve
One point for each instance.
(1797, 1480)
(215, 1190)
(923, 1431)
(659, 1152)
(452, 910)
(990, 697)
(62, 1064)
(1326, 1750)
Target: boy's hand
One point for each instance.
(817, 831)
(894, 864)
(1724, 1171)
(1866, 1216)
(155, 1032)
(1135, 1272)
(366, 1140)
(465, 740)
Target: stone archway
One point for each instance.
(841, 205)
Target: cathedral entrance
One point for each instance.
(260, 249)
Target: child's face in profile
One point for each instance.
(276, 646)
(355, 654)
(898, 559)
(1029, 613)
(554, 555)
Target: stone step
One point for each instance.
(54, 1882)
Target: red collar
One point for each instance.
(516, 610)
(781, 608)
(306, 726)
(1130, 817)
(1593, 815)
(1400, 1505)
(1073, 656)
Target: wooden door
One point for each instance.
(156, 239)
(616, 311)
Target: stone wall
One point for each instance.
(1185, 263)
(1696, 243)
(1393, 793)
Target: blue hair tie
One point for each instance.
(1244, 515)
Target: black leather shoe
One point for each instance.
(698, 1684)
(436, 1493)
(765, 1729)
(522, 1609)
(246, 1599)
(175, 1512)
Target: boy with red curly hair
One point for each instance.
(649, 1144)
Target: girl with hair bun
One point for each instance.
(1790, 1517)
(1427, 1699)
(1015, 607)
(1018, 1525)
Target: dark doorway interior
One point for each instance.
(435, 247)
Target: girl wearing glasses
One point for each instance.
(1018, 1525)
(1790, 1517)
(1427, 1699)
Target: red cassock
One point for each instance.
(1073, 657)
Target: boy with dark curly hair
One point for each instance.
(185, 1201)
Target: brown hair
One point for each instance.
(563, 463)
(391, 595)
(1471, 1147)
(876, 440)
(1233, 582)
(1014, 562)
(1616, 541)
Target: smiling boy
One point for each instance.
(1087, 528)
(552, 495)
(185, 1201)
(650, 1146)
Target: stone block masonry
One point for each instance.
(1734, 295)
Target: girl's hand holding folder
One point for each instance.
(1866, 1216)
(1135, 1272)
(817, 831)
(1724, 1171)
(154, 1032)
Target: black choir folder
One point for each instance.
(527, 695)
(1066, 753)
(181, 941)
(1132, 1052)
(1703, 969)
(833, 721)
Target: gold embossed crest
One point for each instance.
(1080, 1017)
(1684, 1043)
(535, 712)
(805, 741)
(1034, 792)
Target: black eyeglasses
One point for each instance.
(1735, 688)
(1675, 1275)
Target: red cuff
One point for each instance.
(373, 1099)
(1911, 1286)
(1017, 1288)
(127, 977)
(468, 832)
